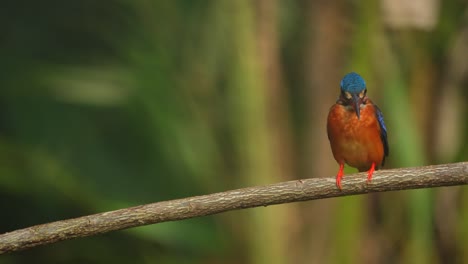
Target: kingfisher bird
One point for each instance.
(356, 129)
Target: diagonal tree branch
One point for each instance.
(284, 192)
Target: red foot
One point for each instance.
(370, 172)
(339, 176)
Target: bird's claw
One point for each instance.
(370, 172)
(339, 176)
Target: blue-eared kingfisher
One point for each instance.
(356, 129)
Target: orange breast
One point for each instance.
(355, 141)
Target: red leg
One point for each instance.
(339, 176)
(370, 172)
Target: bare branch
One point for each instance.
(284, 192)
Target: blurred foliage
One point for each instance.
(109, 104)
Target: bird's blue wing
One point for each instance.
(383, 132)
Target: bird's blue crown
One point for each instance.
(352, 83)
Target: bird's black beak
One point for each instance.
(357, 105)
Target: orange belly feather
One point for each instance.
(354, 141)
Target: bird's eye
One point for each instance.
(348, 95)
(361, 94)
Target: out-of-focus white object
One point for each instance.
(418, 14)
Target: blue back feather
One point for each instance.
(383, 131)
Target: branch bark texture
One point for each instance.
(284, 192)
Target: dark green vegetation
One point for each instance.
(107, 104)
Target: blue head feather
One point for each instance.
(352, 83)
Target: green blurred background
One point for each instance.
(113, 103)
